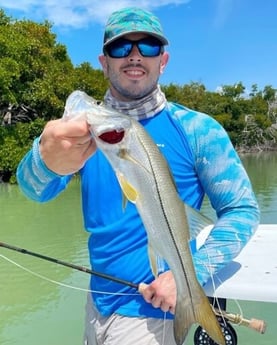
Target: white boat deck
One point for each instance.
(252, 275)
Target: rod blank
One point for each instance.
(70, 265)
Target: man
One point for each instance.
(202, 159)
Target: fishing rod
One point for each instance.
(67, 264)
(257, 325)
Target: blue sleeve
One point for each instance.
(36, 181)
(229, 190)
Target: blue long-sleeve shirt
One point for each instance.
(202, 160)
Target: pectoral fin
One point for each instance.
(152, 260)
(157, 263)
(123, 154)
(129, 191)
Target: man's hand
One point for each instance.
(66, 145)
(161, 293)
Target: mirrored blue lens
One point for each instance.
(148, 47)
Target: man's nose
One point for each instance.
(135, 54)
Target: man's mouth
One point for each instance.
(134, 72)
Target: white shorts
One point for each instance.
(118, 330)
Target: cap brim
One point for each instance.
(163, 40)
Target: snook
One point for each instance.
(146, 180)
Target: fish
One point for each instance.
(146, 180)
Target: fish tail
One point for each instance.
(183, 320)
(201, 313)
(205, 316)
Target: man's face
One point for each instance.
(134, 76)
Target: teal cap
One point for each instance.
(133, 19)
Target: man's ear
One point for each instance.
(103, 61)
(164, 61)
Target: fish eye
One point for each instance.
(112, 137)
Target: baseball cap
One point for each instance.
(133, 19)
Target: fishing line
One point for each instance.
(63, 284)
(70, 265)
(209, 268)
(163, 336)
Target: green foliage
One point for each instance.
(90, 80)
(261, 121)
(37, 71)
(15, 142)
(192, 95)
(231, 107)
(233, 91)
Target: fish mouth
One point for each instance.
(112, 137)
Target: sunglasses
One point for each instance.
(121, 48)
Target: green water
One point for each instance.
(32, 310)
(36, 311)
